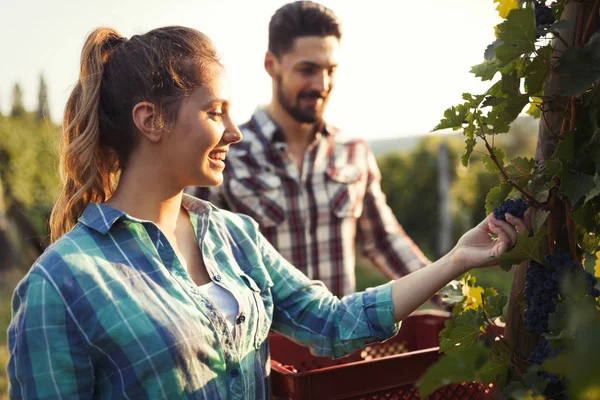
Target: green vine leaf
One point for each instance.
(489, 163)
(588, 241)
(521, 170)
(490, 51)
(486, 70)
(517, 34)
(527, 248)
(595, 191)
(497, 365)
(576, 185)
(463, 366)
(588, 216)
(579, 67)
(452, 293)
(537, 70)
(461, 331)
(469, 146)
(553, 168)
(494, 303)
(578, 362)
(495, 196)
(534, 381)
(454, 117)
(505, 112)
(539, 218)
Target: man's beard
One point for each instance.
(302, 115)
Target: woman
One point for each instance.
(150, 293)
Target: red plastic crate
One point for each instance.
(381, 371)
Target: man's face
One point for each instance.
(304, 77)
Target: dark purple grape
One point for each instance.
(543, 15)
(542, 289)
(516, 208)
(542, 352)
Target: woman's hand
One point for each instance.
(477, 248)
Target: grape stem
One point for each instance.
(557, 35)
(550, 222)
(530, 199)
(591, 22)
(571, 232)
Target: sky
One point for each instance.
(402, 63)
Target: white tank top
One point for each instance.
(224, 301)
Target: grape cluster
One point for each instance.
(513, 207)
(563, 263)
(543, 14)
(542, 352)
(542, 287)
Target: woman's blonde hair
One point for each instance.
(162, 66)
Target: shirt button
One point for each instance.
(235, 373)
(217, 278)
(241, 319)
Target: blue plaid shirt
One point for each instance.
(108, 311)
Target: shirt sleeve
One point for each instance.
(307, 312)
(48, 357)
(383, 240)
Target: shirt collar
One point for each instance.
(101, 217)
(269, 129)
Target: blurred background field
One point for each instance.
(29, 181)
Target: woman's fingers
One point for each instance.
(518, 223)
(506, 232)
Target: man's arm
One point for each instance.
(384, 241)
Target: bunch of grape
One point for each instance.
(542, 352)
(541, 289)
(516, 208)
(564, 264)
(543, 14)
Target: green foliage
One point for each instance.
(517, 66)
(527, 248)
(517, 34)
(471, 341)
(580, 67)
(417, 209)
(459, 367)
(29, 165)
(578, 362)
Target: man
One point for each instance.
(312, 192)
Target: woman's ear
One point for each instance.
(144, 118)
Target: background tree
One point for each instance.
(18, 108)
(43, 109)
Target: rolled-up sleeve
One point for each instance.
(48, 357)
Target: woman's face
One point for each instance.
(198, 141)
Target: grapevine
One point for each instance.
(545, 60)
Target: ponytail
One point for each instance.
(87, 172)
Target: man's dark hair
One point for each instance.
(298, 19)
